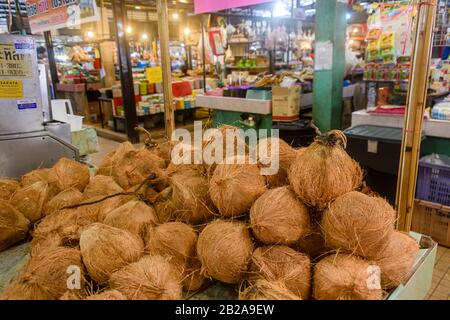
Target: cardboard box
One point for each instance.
(432, 219)
(285, 103)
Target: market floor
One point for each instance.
(440, 287)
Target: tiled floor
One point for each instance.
(440, 289)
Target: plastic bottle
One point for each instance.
(371, 97)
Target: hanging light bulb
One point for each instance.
(129, 29)
(144, 36)
(175, 15)
(187, 31)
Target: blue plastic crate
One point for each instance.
(433, 183)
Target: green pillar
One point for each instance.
(331, 25)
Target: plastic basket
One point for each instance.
(433, 183)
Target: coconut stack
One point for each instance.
(144, 227)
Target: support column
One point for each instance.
(51, 62)
(163, 30)
(126, 73)
(331, 25)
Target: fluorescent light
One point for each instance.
(137, 7)
(175, 15)
(187, 31)
(90, 34)
(144, 36)
(280, 9)
(348, 16)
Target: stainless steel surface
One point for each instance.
(59, 130)
(21, 153)
(13, 119)
(44, 83)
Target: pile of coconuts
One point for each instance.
(145, 228)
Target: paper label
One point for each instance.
(26, 104)
(154, 74)
(324, 56)
(24, 46)
(11, 89)
(372, 146)
(14, 64)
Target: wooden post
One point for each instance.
(415, 107)
(163, 30)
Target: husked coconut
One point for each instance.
(71, 174)
(13, 225)
(7, 188)
(345, 277)
(278, 217)
(224, 249)
(68, 197)
(30, 200)
(106, 249)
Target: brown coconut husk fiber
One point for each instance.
(107, 295)
(278, 217)
(30, 200)
(191, 199)
(110, 204)
(134, 216)
(108, 163)
(45, 277)
(358, 224)
(106, 249)
(150, 278)
(397, 259)
(13, 225)
(193, 278)
(281, 263)
(72, 295)
(267, 290)
(71, 174)
(345, 277)
(324, 171)
(164, 206)
(164, 150)
(68, 197)
(224, 249)
(287, 154)
(100, 186)
(313, 243)
(175, 240)
(235, 187)
(7, 188)
(42, 175)
(135, 167)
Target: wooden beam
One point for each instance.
(415, 107)
(163, 30)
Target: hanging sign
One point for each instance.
(323, 56)
(45, 15)
(202, 6)
(154, 75)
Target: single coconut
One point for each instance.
(191, 199)
(224, 249)
(281, 263)
(358, 224)
(108, 163)
(135, 167)
(47, 275)
(71, 174)
(267, 290)
(42, 175)
(150, 278)
(164, 150)
(101, 186)
(50, 241)
(134, 216)
(107, 295)
(68, 197)
(397, 259)
(30, 200)
(13, 225)
(278, 217)
(7, 188)
(175, 240)
(345, 277)
(106, 249)
(324, 171)
(235, 187)
(110, 204)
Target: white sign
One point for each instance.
(324, 56)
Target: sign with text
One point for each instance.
(154, 75)
(45, 15)
(202, 6)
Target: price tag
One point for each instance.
(154, 74)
